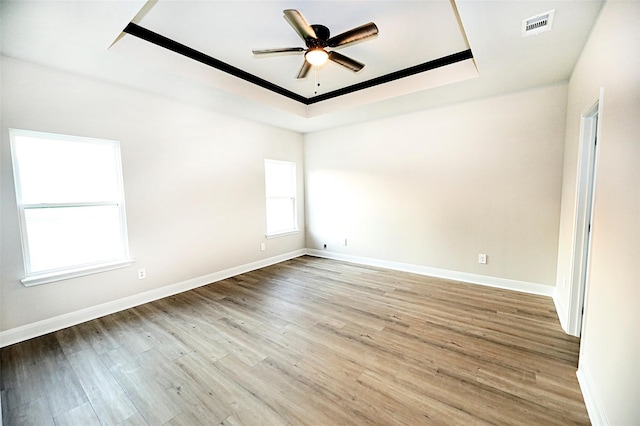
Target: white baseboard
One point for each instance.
(29, 331)
(522, 286)
(561, 311)
(592, 399)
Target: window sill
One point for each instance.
(282, 234)
(50, 277)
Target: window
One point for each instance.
(280, 182)
(71, 205)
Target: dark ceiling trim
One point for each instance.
(427, 66)
(174, 46)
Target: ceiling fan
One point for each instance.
(317, 39)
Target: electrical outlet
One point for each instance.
(482, 258)
(263, 246)
(142, 273)
(345, 242)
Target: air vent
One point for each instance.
(537, 24)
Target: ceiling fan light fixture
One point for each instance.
(316, 57)
(317, 38)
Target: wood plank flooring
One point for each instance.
(306, 342)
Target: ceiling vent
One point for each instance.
(537, 24)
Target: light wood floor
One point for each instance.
(307, 341)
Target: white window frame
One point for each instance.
(62, 273)
(292, 195)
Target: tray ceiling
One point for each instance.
(409, 37)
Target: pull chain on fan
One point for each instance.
(317, 39)
(317, 82)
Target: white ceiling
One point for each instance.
(85, 37)
(228, 31)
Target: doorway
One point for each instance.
(588, 155)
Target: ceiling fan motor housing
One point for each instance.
(322, 34)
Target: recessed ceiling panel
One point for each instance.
(410, 33)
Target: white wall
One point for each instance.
(194, 187)
(609, 368)
(437, 188)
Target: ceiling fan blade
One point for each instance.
(306, 66)
(273, 51)
(297, 21)
(345, 61)
(356, 34)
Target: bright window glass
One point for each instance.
(66, 237)
(70, 200)
(280, 182)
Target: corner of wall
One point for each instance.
(561, 309)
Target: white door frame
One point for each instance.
(586, 178)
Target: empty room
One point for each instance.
(319, 212)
